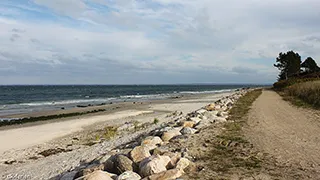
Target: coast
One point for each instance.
(76, 138)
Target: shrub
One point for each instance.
(155, 121)
(308, 92)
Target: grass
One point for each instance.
(97, 136)
(304, 93)
(45, 118)
(230, 148)
(155, 121)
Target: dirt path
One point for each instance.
(288, 133)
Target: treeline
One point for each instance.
(298, 82)
(290, 65)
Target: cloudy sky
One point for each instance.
(152, 41)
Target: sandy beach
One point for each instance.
(23, 143)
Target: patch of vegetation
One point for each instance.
(155, 121)
(50, 152)
(44, 118)
(97, 136)
(231, 149)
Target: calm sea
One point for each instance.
(24, 99)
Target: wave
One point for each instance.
(206, 92)
(106, 100)
(75, 101)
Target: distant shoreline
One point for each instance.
(42, 117)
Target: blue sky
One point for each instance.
(152, 41)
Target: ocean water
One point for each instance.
(25, 99)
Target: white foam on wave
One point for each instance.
(205, 92)
(64, 102)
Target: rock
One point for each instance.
(166, 136)
(89, 169)
(210, 107)
(98, 175)
(201, 111)
(126, 126)
(220, 119)
(182, 164)
(187, 130)
(222, 114)
(129, 175)
(69, 175)
(174, 158)
(160, 150)
(154, 164)
(218, 107)
(196, 120)
(188, 124)
(171, 174)
(151, 142)
(104, 158)
(139, 153)
(123, 163)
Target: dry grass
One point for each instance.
(308, 92)
(231, 149)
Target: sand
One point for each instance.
(29, 136)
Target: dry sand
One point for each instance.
(29, 136)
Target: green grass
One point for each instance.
(155, 121)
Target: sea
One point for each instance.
(18, 99)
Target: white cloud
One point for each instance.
(176, 36)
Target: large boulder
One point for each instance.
(188, 124)
(174, 158)
(219, 119)
(123, 163)
(187, 130)
(171, 174)
(139, 153)
(183, 163)
(151, 142)
(210, 107)
(201, 111)
(98, 175)
(89, 169)
(196, 120)
(166, 136)
(154, 164)
(129, 175)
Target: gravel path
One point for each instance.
(288, 133)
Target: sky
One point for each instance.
(152, 41)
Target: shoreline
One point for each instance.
(73, 141)
(33, 133)
(51, 116)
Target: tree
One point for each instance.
(288, 64)
(310, 65)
